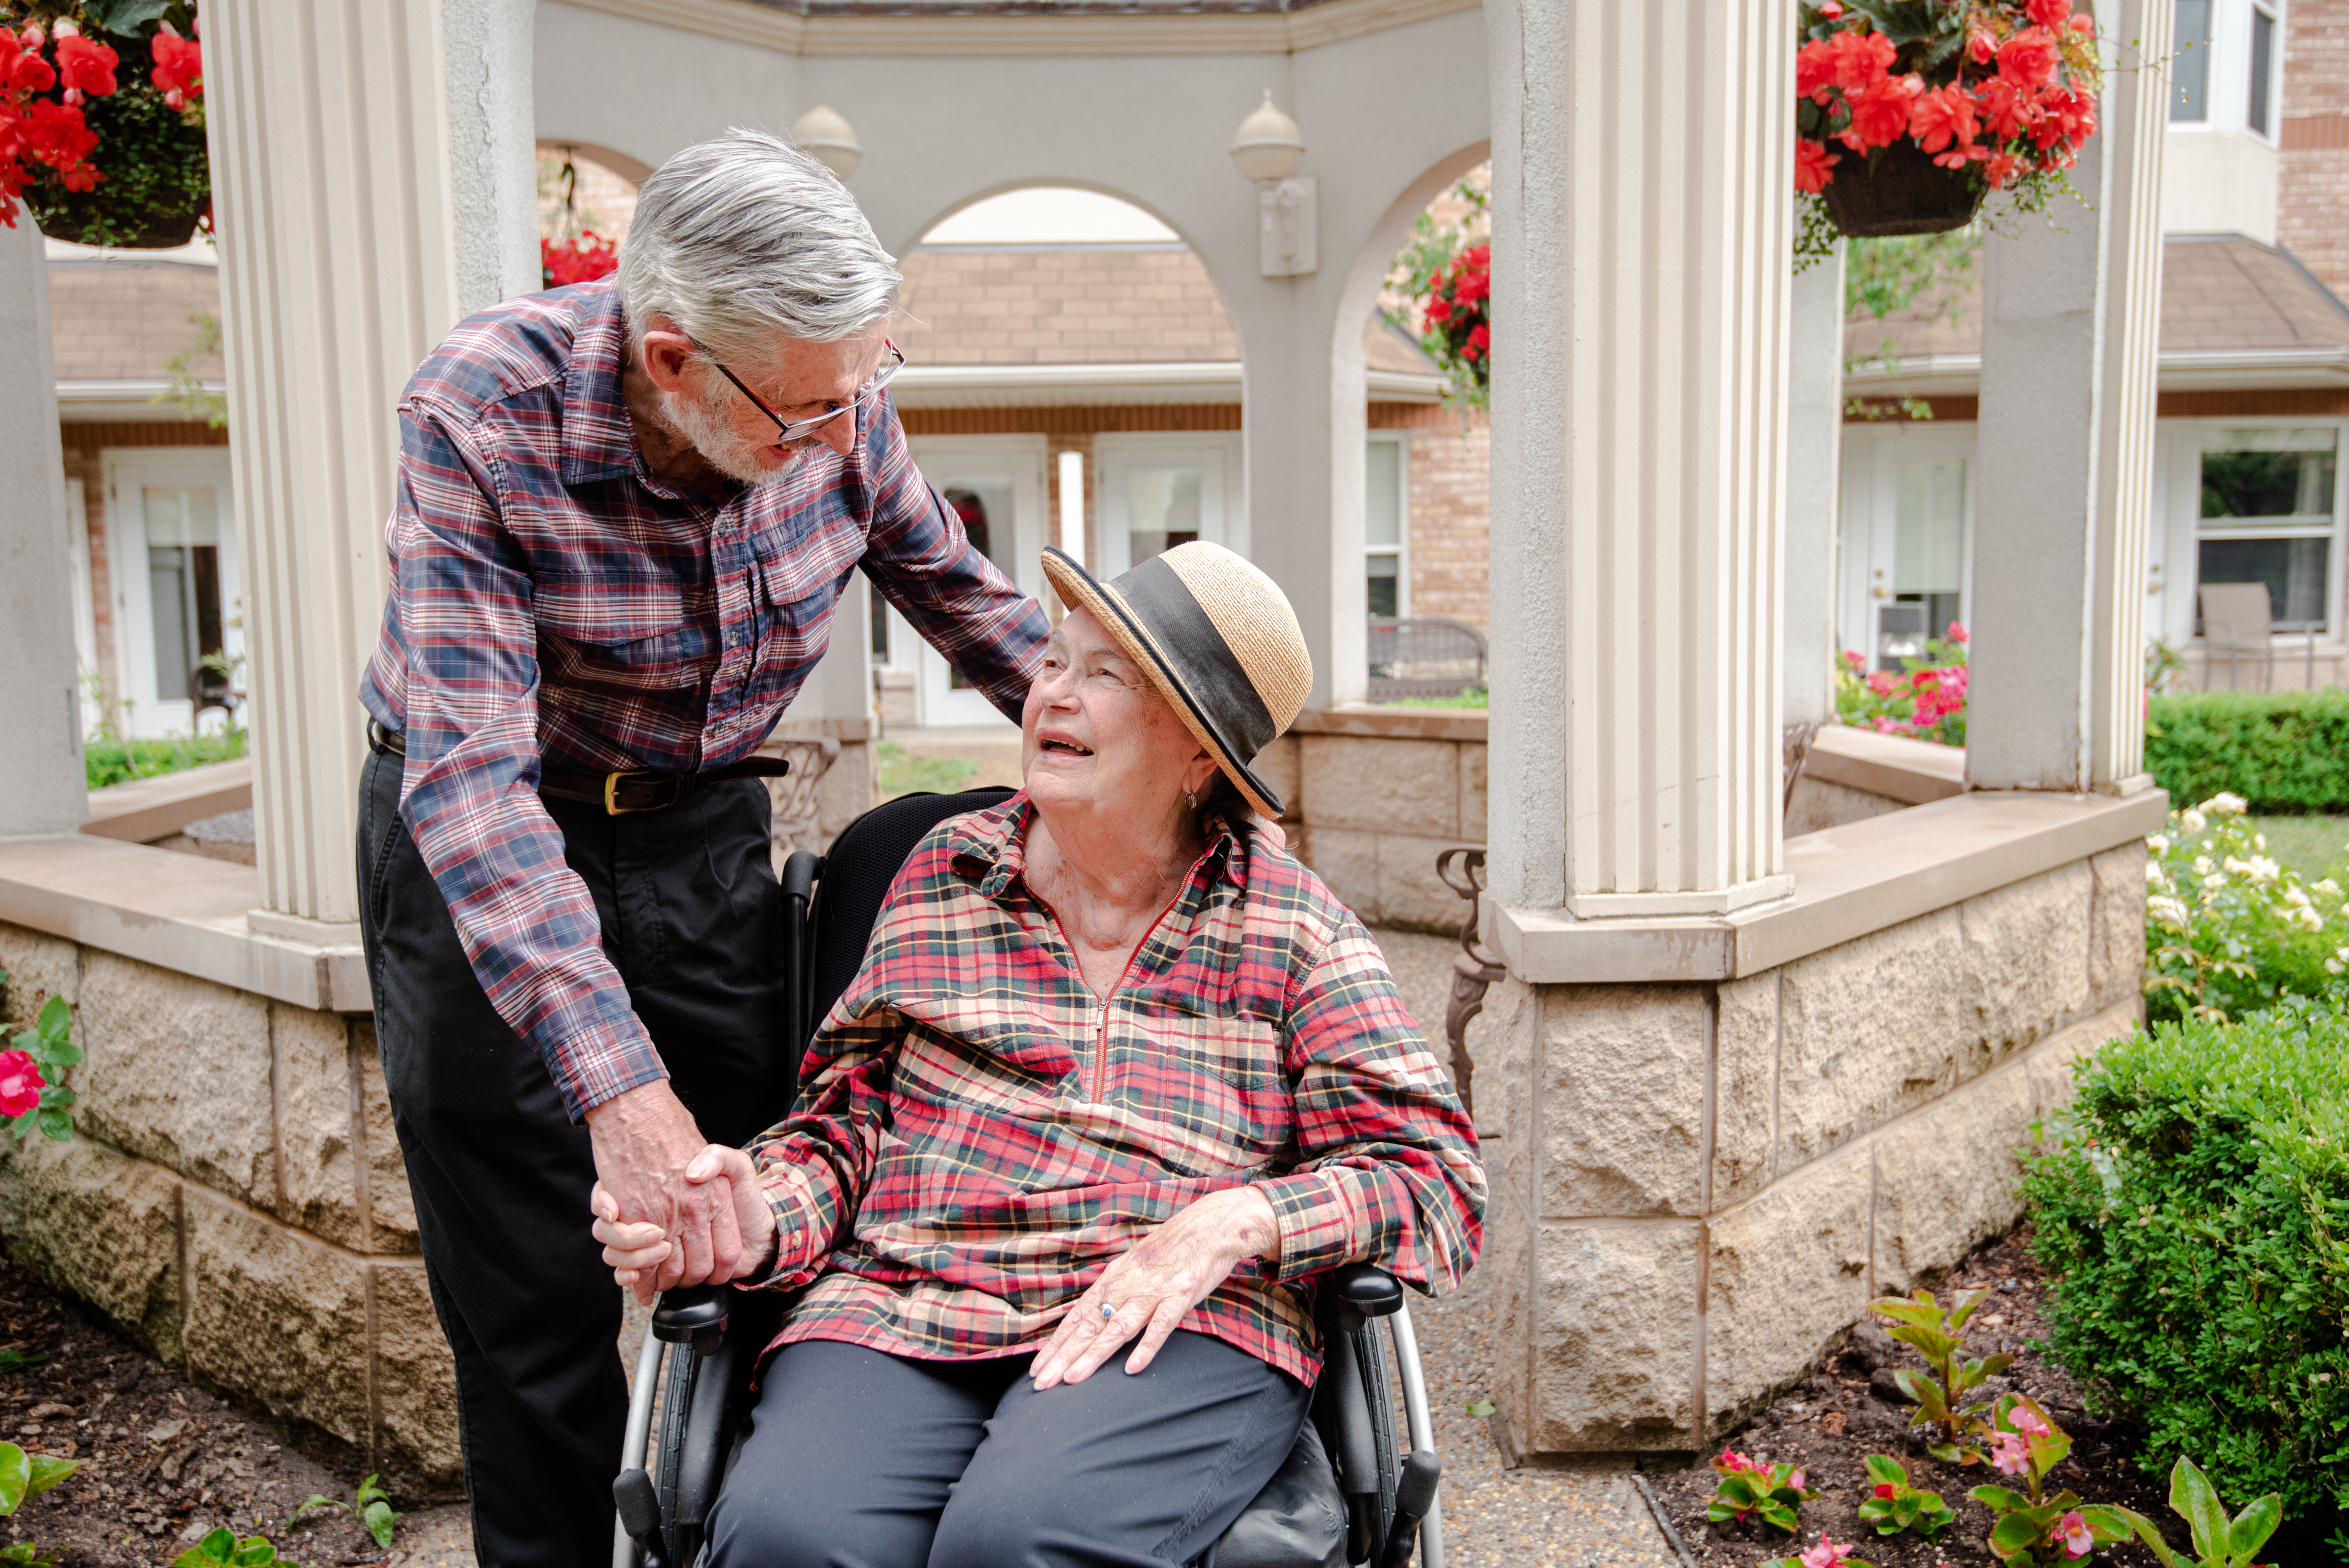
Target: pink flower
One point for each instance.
(2023, 1419)
(2050, 13)
(1852, 657)
(2073, 1531)
(1796, 1480)
(1957, 633)
(2009, 1454)
(1831, 10)
(1828, 1554)
(21, 1083)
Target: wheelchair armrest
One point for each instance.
(693, 1314)
(1368, 1289)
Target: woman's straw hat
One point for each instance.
(1216, 637)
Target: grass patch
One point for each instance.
(905, 772)
(106, 762)
(2310, 845)
(1470, 696)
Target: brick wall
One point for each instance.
(1450, 509)
(2313, 221)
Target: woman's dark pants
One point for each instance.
(862, 1459)
(692, 919)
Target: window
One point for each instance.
(2268, 514)
(1929, 559)
(2262, 97)
(880, 626)
(2190, 64)
(1383, 526)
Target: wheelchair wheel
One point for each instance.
(691, 1463)
(1376, 1364)
(680, 1375)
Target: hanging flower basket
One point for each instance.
(1907, 113)
(101, 122)
(1899, 189)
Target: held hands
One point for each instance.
(669, 1209)
(1155, 1282)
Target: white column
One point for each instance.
(373, 176)
(1643, 202)
(2071, 312)
(1814, 491)
(42, 790)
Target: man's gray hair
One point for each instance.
(743, 237)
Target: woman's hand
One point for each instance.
(636, 1252)
(1163, 1276)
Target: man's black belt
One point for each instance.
(631, 789)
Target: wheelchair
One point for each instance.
(1347, 1493)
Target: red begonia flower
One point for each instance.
(86, 65)
(1941, 116)
(2002, 108)
(1814, 165)
(1815, 70)
(2049, 12)
(2029, 58)
(31, 73)
(1860, 58)
(1886, 1488)
(54, 133)
(1879, 112)
(179, 65)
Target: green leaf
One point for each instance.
(2148, 1533)
(59, 1053)
(55, 1019)
(1779, 1514)
(1883, 1470)
(2191, 1497)
(1480, 1409)
(124, 17)
(16, 1477)
(314, 1500)
(378, 1518)
(1999, 1498)
(2253, 1526)
(47, 1471)
(254, 1551)
(2107, 1523)
(2016, 1533)
(214, 1549)
(55, 1122)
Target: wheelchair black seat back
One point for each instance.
(1348, 1493)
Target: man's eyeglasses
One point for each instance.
(793, 430)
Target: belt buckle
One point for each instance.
(612, 807)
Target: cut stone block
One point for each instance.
(1870, 1029)
(415, 1379)
(1348, 862)
(1475, 792)
(152, 1034)
(1614, 1338)
(391, 1206)
(278, 1316)
(1744, 1093)
(38, 966)
(2026, 963)
(1623, 1111)
(96, 1221)
(1280, 766)
(1947, 1178)
(1381, 784)
(2116, 925)
(1411, 895)
(1505, 1055)
(314, 1122)
(1504, 1268)
(1789, 1271)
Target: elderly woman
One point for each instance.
(1118, 1076)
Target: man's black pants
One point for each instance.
(860, 1459)
(692, 919)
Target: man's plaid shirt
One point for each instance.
(550, 600)
(978, 1134)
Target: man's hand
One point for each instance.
(636, 1251)
(644, 1139)
(1156, 1281)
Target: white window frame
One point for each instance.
(1223, 510)
(1020, 459)
(1866, 541)
(2273, 11)
(1401, 549)
(154, 716)
(2178, 533)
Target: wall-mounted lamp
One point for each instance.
(1266, 149)
(822, 132)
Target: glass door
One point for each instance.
(1159, 491)
(173, 543)
(1920, 546)
(994, 485)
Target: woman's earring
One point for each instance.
(1190, 800)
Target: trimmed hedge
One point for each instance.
(2193, 1209)
(108, 762)
(2282, 751)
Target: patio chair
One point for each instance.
(1346, 1493)
(1423, 657)
(2238, 620)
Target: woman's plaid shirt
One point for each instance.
(551, 600)
(978, 1134)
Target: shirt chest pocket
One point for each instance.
(1218, 1084)
(633, 624)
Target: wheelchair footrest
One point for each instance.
(1414, 1495)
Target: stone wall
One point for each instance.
(234, 1199)
(1373, 795)
(1696, 1186)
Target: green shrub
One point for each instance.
(119, 761)
(2229, 930)
(2192, 1206)
(2282, 751)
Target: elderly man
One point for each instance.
(625, 513)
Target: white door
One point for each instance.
(1160, 490)
(996, 485)
(1911, 563)
(172, 539)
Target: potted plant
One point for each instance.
(1908, 112)
(102, 121)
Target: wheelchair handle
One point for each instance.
(1365, 1291)
(693, 1315)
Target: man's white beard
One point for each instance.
(738, 459)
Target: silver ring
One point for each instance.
(1108, 1311)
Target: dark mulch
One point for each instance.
(163, 1460)
(1849, 1407)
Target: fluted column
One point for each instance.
(1814, 489)
(2072, 306)
(373, 181)
(1643, 163)
(42, 790)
